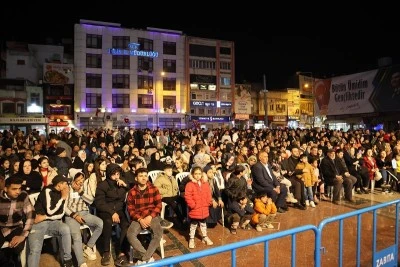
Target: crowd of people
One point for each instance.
(241, 179)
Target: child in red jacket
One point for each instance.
(198, 199)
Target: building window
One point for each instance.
(169, 48)
(145, 82)
(120, 100)
(120, 62)
(169, 102)
(93, 60)
(93, 41)
(169, 65)
(201, 111)
(145, 63)
(93, 80)
(120, 81)
(20, 62)
(93, 100)
(271, 107)
(8, 108)
(35, 99)
(225, 50)
(145, 44)
(145, 101)
(120, 42)
(225, 65)
(225, 81)
(169, 84)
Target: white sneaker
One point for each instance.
(307, 203)
(151, 260)
(312, 204)
(191, 243)
(139, 262)
(290, 198)
(269, 226)
(89, 253)
(207, 240)
(83, 265)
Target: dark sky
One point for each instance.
(273, 40)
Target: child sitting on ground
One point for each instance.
(265, 212)
(241, 213)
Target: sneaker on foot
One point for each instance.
(191, 243)
(233, 231)
(151, 260)
(259, 228)
(139, 262)
(89, 253)
(207, 240)
(166, 224)
(68, 263)
(122, 260)
(83, 265)
(312, 204)
(269, 226)
(105, 260)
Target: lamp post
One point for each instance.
(265, 92)
(311, 86)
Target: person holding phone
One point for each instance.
(77, 214)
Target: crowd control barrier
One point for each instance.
(383, 258)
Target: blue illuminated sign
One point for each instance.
(211, 118)
(133, 51)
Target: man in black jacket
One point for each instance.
(49, 209)
(289, 171)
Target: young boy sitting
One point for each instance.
(241, 213)
(265, 212)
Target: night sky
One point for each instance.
(272, 40)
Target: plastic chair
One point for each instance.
(153, 175)
(179, 177)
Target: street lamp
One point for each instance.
(309, 87)
(265, 92)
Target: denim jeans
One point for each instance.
(96, 226)
(308, 193)
(54, 228)
(135, 229)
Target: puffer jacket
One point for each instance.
(198, 199)
(262, 208)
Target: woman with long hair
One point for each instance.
(46, 172)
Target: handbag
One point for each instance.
(378, 175)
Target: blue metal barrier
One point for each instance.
(378, 257)
(234, 246)
(385, 257)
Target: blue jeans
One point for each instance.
(135, 229)
(308, 193)
(96, 226)
(54, 228)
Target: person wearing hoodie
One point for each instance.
(110, 206)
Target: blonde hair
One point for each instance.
(252, 157)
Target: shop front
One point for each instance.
(25, 124)
(211, 122)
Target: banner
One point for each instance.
(343, 95)
(243, 99)
(386, 96)
(58, 73)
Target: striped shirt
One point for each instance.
(16, 213)
(144, 203)
(75, 202)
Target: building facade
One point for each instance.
(211, 77)
(129, 77)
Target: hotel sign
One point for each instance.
(23, 120)
(133, 50)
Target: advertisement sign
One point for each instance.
(386, 257)
(211, 118)
(242, 99)
(58, 73)
(386, 94)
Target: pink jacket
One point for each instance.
(198, 199)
